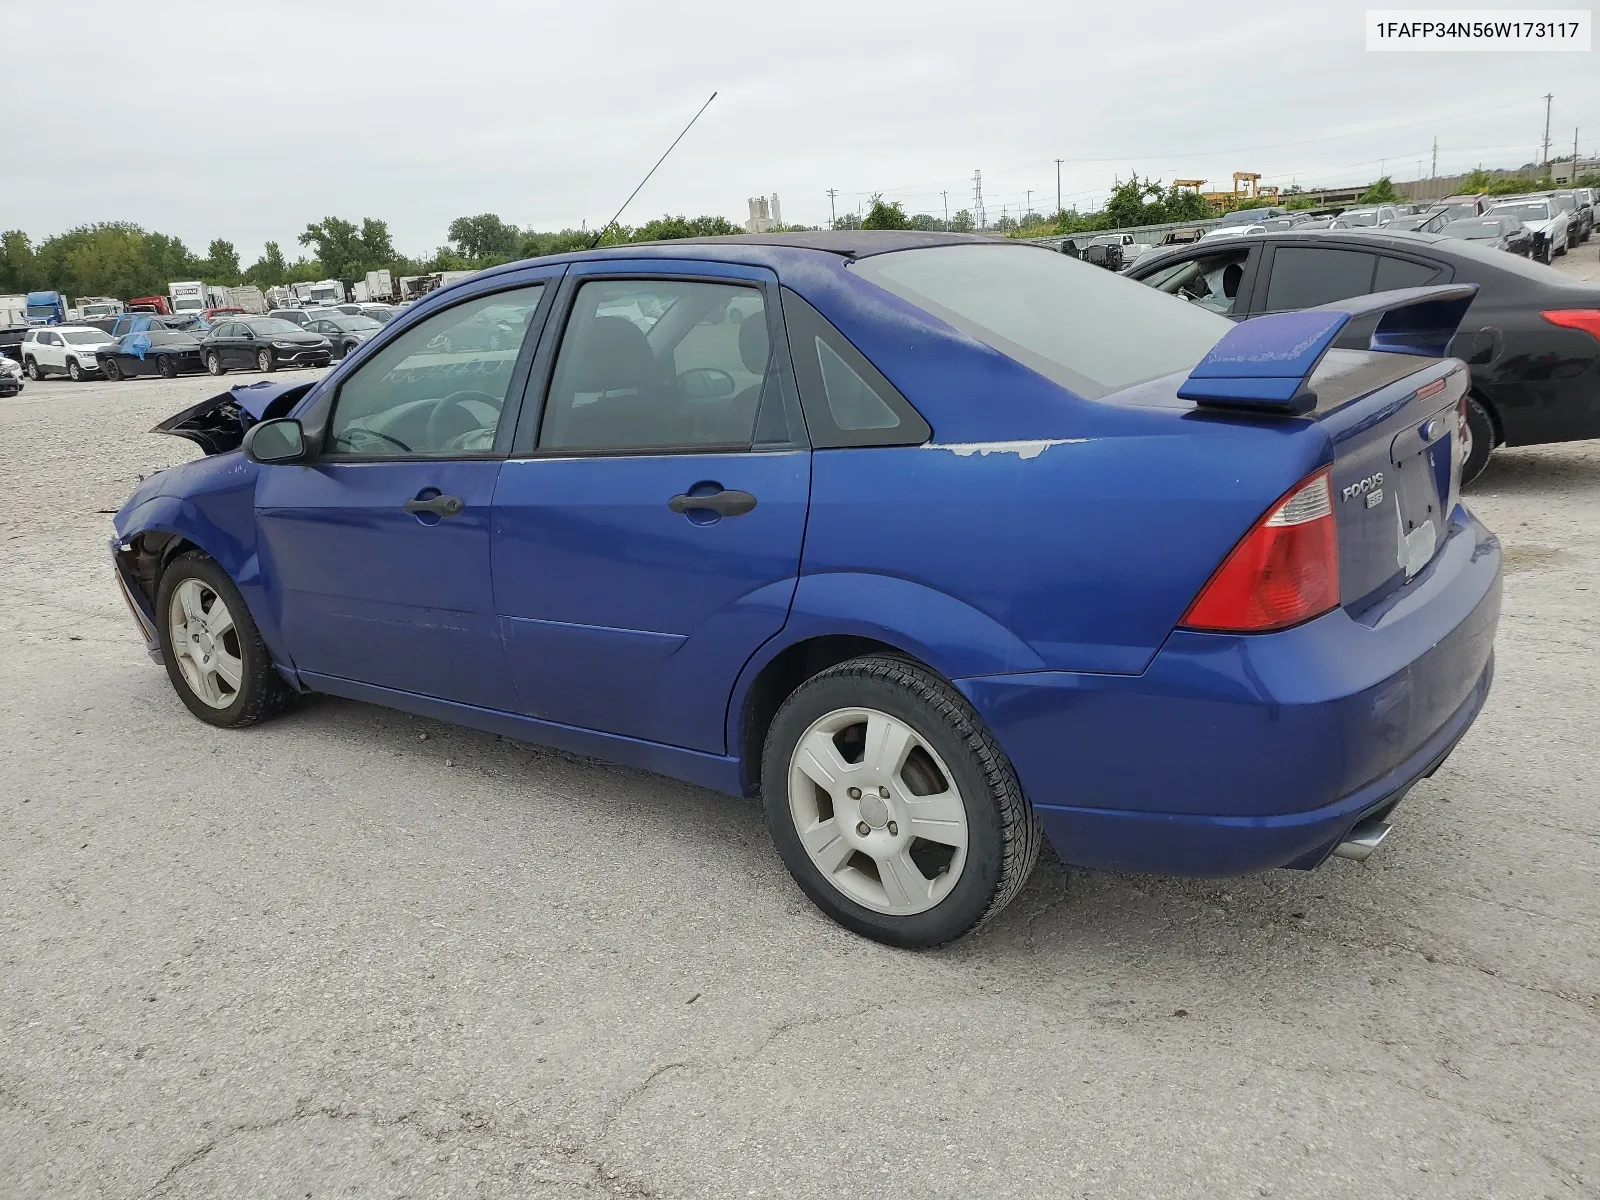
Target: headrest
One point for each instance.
(612, 354)
(754, 345)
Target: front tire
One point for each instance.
(166, 368)
(892, 805)
(113, 372)
(266, 361)
(1479, 436)
(74, 371)
(214, 655)
(214, 363)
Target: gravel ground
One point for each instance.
(355, 953)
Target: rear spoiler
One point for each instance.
(1263, 364)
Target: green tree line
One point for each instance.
(123, 260)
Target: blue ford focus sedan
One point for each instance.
(940, 545)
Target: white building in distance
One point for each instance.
(764, 214)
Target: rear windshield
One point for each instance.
(1082, 326)
(83, 337)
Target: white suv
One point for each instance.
(70, 350)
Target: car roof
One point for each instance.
(767, 248)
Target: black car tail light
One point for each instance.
(1585, 319)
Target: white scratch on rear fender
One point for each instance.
(1020, 449)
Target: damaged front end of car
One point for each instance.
(219, 424)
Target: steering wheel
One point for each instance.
(456, 400)
(358, 431)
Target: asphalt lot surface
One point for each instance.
(355, 953)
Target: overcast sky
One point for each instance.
(246, 121)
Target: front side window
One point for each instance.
(439, 388)
(1084, 327)
(1211, 281)
(659, 364)
(1304, 277)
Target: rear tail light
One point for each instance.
(1586, 319)
(1283, 572)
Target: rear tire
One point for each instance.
(1480, 429)
(214, 364)
(33, 371)
(195, 583)
(951, 780)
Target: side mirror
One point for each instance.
(279, 441)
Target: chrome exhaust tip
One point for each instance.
(1363, 840)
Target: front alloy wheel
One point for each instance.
(205, 642)
(893, 806)
(74, 371)
(214, 655)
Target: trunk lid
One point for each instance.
(1390, 412)
(1396, 464)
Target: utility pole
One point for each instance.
(1058, 185)
(1029, 207)
(946, 197)
(1548, 97)
(1433, 168)
(833, 218)
(977, 200)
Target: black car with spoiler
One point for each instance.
(1531, 336)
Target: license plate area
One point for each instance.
(1426, 475)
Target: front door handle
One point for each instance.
(724, 503)
(439, 506)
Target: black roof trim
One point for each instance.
(850, 243)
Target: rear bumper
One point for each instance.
(1235, 754)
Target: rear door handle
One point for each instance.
(724, 503)
(439, 506)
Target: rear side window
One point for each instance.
(659, 364)
(1402, 273)
(847, 400)
(1084, 327)
(1306, 277)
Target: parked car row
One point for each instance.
(144, 344)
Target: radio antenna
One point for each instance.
(646, 179)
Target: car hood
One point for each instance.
(218, 425)
(1537, 226)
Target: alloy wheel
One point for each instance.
(205, 643)
(877, 811)
(213, 363)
